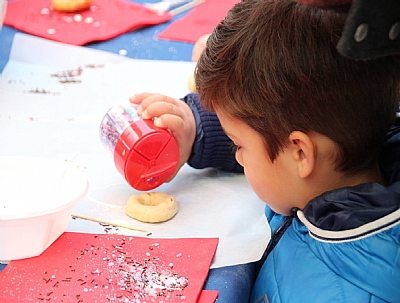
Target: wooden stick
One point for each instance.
(185, 7)
(107, 222)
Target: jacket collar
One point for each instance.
(351, 207)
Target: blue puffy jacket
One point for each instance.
(343, 247)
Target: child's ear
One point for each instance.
(303, 152)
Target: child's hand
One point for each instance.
(171, 114)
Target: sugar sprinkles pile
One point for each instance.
(137, 281)
(141, 279)
(107, 271)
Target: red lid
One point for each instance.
(145, 155)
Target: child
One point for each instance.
(312, 132)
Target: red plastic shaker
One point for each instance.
(144, 154)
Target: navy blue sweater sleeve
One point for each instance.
(212, 148)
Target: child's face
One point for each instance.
(270, 181)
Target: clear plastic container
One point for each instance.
(144, 154)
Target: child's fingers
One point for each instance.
(171, 122)
(138, 98)
(143, 100)
(159, 108)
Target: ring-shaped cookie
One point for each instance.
(71, 5)
(152, 207)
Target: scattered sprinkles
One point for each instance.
(73, 75)
(51, 31)
(109, 268)
(67, 19)
(123, 52)
(64, 77)
(89, 20)
(130, 279)
(78, 18)
(39, 91)
(45, 11)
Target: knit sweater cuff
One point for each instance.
(212, 147)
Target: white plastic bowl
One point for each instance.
(36, 200)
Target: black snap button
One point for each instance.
(394, 31)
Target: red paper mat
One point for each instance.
(105, 19)
(208, 296)
(201, 20)
(112, 268)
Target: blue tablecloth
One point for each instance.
(233, 282)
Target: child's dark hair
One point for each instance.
(274, 65)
